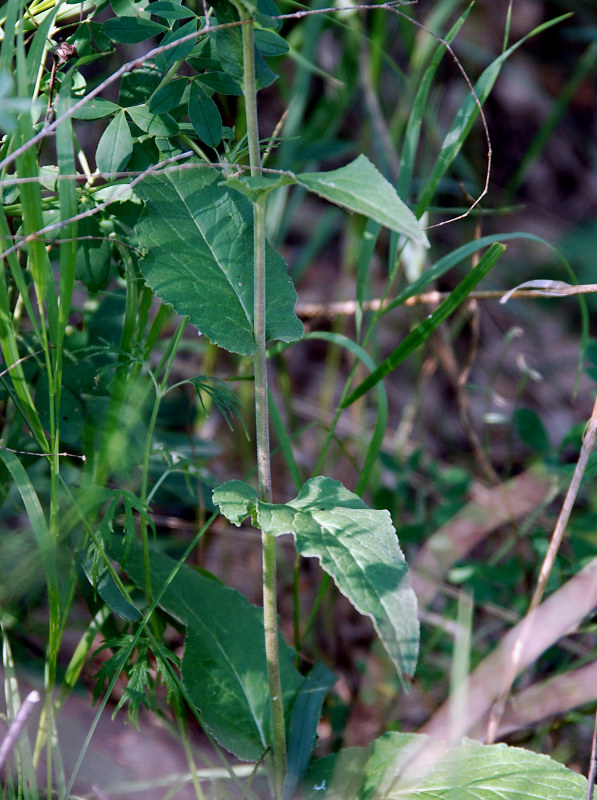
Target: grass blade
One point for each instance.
(426, 328)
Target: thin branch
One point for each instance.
(48, 130)
(349, 307)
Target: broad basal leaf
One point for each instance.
(409, 767)
(223, 667)
(199, 241)
(360, 187)
(356, 545)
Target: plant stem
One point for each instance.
(270, 614)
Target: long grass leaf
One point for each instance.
(455, 257)
(415, 121)
(8, 29)
(285, 443)
(467, 114)
(423, 331)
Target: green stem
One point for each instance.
(270, 613)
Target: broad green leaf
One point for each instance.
(96, 108)
(360, 187)
(424, 330)
(302, 731)
(199, 240)
(130, 30)
(115, 146)
(152, 123)
(400, 766)
(223, 668)
(357, 546)
(167, 97)
(205, 117)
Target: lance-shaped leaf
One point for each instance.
(360, 187)
(356, 545)
(223, 668)
(199, 241)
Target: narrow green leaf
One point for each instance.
(131, 30)
(199, 240)
(357, 546)
(375, 437)
(423, 331)
(110, 592)
(205, 117)
(115, 146)
(413, 129)
(39, 525)
(302, 731)
(223, 668)
(467, 114)
(361, 188)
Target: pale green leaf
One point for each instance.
(356, 545)
(96, 108)
(410, 767)
(360, 187)
(115, 146)
(199, 241)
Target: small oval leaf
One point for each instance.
(205, 117)
(115, 146)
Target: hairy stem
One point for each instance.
(270, 614)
